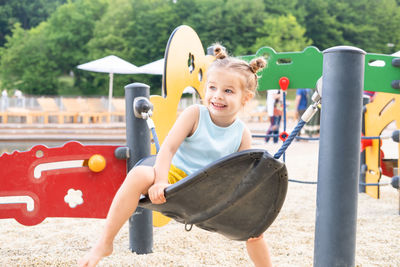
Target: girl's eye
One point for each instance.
(211, 87)
(229, 91)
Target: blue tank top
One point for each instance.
(208, 143)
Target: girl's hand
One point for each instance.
(156, 193)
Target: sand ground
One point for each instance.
(62, 241)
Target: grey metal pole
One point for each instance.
(138, 142)
(339, 157)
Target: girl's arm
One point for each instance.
(246, 140)
(184, 126)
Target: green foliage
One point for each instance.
(108, 38)
(370, 25)
(29, 13)
(154, 21)
(24, 63)
(282, 33)
(280, 7)
(67, 87)
(230, 22)
(34, 59)
(111, 31)
(321, 26)
(70, 29)
(42, 41)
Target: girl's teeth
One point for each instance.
(218, 105)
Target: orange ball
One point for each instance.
(96, 163)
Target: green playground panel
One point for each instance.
(379, 73)
(303, 69)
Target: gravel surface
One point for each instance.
(62, 241)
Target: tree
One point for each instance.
(387, 19)
(283, 34)
(321, 24)
(233, 23)
(244, 18)
(154, 21)
(70, 29)
(109, 37)
(34, 60)
(44, 49)
(24, 64)
(280, 7)
(370, 25)
(29, 13)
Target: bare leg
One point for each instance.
(122, 207)
(258, 251)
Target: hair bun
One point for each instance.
(257, 64)
(219, 51)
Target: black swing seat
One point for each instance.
(238, 196)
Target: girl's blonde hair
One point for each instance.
(247, 69)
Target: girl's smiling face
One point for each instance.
(225, 95)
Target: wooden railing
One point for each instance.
(61, 110)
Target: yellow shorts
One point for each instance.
(175, 174)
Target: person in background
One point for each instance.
(274, 109)
(19, 96)
(4, 100)
(301, 102)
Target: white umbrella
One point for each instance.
(156, 67)
(110, 64)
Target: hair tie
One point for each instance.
(257, 64)
(219, 51)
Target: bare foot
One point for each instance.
(98, 252)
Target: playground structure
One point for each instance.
(384, 110)
(186, 66)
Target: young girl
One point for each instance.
(201, 135)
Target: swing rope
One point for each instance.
(306, 117)
(289, 140)
(150, 124)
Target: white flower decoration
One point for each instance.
(73, 198)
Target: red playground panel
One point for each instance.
(74, 180)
